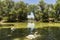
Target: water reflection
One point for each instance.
(48, 33)
(31, 26)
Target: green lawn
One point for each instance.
(37, 25)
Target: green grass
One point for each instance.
(37, 25)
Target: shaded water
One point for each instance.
(48, 33)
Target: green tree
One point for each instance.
(33, 8)
(38, 15)
(42, 5)
(21, 11)
(7, 6)
(44, 9)
(57, 8)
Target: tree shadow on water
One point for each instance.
(48, 33)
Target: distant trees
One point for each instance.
(17, 11)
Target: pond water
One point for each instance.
(48, 33)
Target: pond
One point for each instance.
(48, 33)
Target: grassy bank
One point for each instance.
(37, 25)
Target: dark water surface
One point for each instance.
(48, 33)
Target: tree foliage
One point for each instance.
(17, 11)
